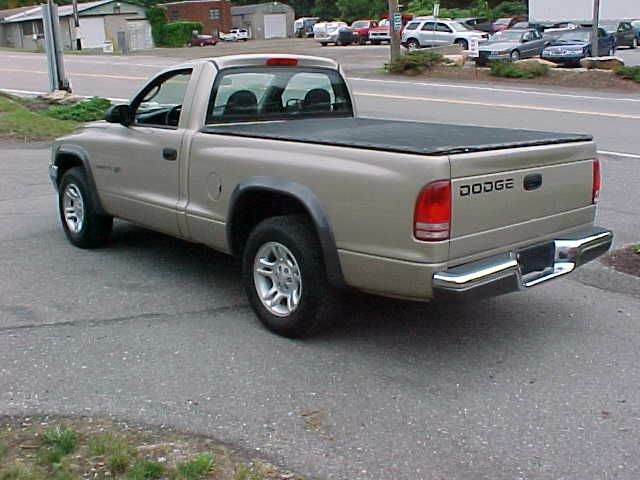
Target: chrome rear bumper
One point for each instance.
(507, 272)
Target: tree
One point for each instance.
(350, 10)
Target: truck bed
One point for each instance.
(395, 136)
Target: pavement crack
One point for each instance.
(105, 321)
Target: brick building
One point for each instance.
(215, 15)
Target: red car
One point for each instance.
(506, 23)
(360, 29)
(202, 41)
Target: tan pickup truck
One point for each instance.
(264, 157)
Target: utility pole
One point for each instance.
(76, 24)
(393, 32)
(595, 51)
(53, 45)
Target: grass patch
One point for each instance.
(87, 111)
(42, 448)
(145, 470)
(630, 73)
(416, 62)
(195, 468)
(61, 438)
(19, 123)
(524, 70)
(18, 471)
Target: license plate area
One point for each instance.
(537, 258)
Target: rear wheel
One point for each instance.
(413, 44)
(284, 277)
(83, 227)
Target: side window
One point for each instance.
(160, 103)
(443, 27)
(428, 26)
(412, 26)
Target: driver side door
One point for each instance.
(137, 172)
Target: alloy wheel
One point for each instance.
(73, 208)
(277, 279)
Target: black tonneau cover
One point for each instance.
(394, 136)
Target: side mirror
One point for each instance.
(119, 114)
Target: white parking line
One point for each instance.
(494, 89)
(30, 93)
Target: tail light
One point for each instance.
(282, 62)
(597, 181)
(432, 216)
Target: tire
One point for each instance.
(515, 56)
(463, 43)
(294, 238)
(83, 227)
(323, 44)
(413, 44)
(375, 42)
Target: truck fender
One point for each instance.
(312, 205)
(75, 151)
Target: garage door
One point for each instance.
(140, 35)
(275, 26)
(92, 32)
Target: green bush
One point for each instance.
(630, 73)
(87, 111)
(177, 34)
(477, 8)
(157, 19)
(518, 70)
(413, 63)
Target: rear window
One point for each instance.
(250, 94)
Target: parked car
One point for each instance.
(198, 40)
(361, 28)
(328, 32)
(482, 24)
(422, 211)
(511, 45)
(380, 34)
(432, 33)
(571, 47)
(624, 33)
(507, 22)
(240, 33)
(303, 26)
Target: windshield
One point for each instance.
(360, 24)
(458, 27)
(503, 21)
(267, 93)
(506, 36)
(574, 36)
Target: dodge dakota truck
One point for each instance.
(265, 157)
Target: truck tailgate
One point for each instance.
(519, 196)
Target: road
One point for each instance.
(544, 384)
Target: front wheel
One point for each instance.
(515, 56)
(83, 227)
(284, 277)
(463, 43)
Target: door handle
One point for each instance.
(170, 154)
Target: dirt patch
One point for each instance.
(563, 77)
(39, 448)
(626, 260)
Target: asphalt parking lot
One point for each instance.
(538, 385)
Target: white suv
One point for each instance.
(434, 33)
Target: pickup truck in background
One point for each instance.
(264, 157)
